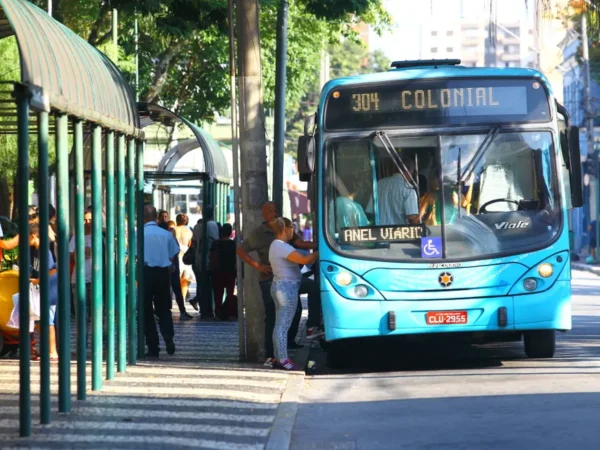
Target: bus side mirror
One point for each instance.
(306, 157)
(575, 167)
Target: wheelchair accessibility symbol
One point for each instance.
(431, 247)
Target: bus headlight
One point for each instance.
(545, 270)
(530, 284)
(361, 291)
(343, 278)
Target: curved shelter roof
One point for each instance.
(65, 73)
(215, 163)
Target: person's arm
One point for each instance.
(412, 208)
(37, 280)
(247, 247)
(9, 244)
(301, 258)
(300, 243)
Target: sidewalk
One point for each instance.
(199, 397)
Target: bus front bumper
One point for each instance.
(548, 310)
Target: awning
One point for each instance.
(65, 73)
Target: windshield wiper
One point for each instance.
(389, 147)
(489, 138)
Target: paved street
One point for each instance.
(462, 397)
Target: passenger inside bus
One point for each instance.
(396, 198)
(348, 213)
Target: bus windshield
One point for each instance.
(470, 196)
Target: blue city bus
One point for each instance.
(440, 196)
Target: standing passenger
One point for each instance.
(160, 251)
(223, 267)
(260, 240)
(286, 263)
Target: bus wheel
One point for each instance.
(337, 355)
(540, 343)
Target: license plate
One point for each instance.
(446, 318)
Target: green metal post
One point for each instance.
(140, 245)
(62, 239)
(97, 281)
(131, 249)
(110, 255)
(80, 293)
(43, 202)
(22, 98)
(121, 272)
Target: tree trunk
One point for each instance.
(253, 162)
(4, 196)
(162, 71)
(95, 31)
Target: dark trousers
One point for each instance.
(204, 293)
(157, 299)
(176, 287)
(224, 282)
(265, 288)
(311, 287)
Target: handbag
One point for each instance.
(189, 257)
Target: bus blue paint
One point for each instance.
(481, 286)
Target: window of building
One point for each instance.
(450, 33)
(449, 49)
(515, 31)
(433, 49)
(434, 33)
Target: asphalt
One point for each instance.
(445, 395)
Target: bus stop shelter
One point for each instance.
(68, 90)
(213, 180)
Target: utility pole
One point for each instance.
(280, 85)
(589, 118)
(253, 161)
(115, 33)
(236, 180)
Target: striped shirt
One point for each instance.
(397, 200)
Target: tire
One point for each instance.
(540, 343)
(337, 355)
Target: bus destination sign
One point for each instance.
(397, 233)
(437, 102)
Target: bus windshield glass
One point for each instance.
(466, 196)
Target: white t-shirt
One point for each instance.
(282, 268)
(88, 261)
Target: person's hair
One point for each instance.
(226, 230)
(150, 213)
(34, 228)
(171, 223)
(164, 225)
(51, 212)
(180, 219)
(209, 212)
(161, 212)
(281, 223)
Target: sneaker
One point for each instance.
(287, 364)
(314, 332)
(269, 362)
(194, 303)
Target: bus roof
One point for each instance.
(431, 72)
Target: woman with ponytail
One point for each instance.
(285, 262)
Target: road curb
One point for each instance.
(586, 268)
(280, 437)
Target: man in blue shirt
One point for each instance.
(160, 250)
